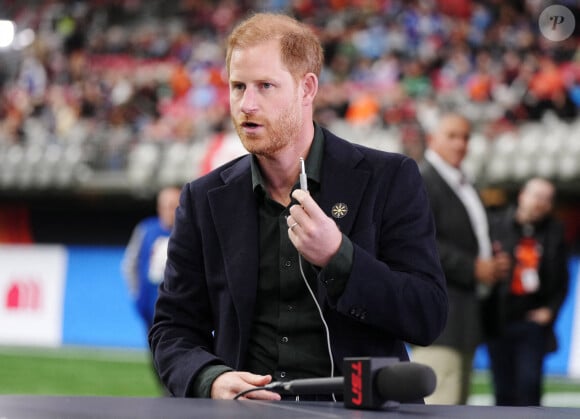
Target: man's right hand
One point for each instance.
(489, 271)
(502, 264)
(484, 271)
(230, 383)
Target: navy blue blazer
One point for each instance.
(395, 293)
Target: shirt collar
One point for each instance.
(452, 175)
(313, 162)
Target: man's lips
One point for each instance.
(250, 124)
(251, 127)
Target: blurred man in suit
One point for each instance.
(467, 257)
(521, 312)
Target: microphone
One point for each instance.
(309, 386)
(369, 383)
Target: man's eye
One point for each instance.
(267, 85)
(238, 86)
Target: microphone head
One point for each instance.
(405, 382)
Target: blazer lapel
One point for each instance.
(342, 185)
(342, 188)
(454, 209)
(236, 225)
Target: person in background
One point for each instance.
(143, 263)
(521, 312)
(470, 264)
(271, 278)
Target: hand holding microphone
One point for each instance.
(315, 235)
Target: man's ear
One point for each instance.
(309, 88)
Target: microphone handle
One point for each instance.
(315, 385)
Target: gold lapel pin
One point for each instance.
(339, 210)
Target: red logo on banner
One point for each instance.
(23, 294)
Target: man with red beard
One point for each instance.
(269, 278)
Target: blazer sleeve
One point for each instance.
(396, 283)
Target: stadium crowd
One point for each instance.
(111, 74)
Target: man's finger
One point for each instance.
(307, 203)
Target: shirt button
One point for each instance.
(288, 263)
(290, 307)
(282, 374)
(284, 339)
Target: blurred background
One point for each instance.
(102, 103)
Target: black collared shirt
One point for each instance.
(288, 339)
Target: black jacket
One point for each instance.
(395, 292)
(502, 307)
(458, 249)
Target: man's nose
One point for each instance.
(249, 103)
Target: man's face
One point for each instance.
(451, 139)
(536, 200)
(167, 202)
(264, 99)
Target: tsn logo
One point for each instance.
(23, 294)
(356, 382)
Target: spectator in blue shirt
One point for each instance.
(145, 255)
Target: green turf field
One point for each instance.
(104, 372)
(76, 372)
